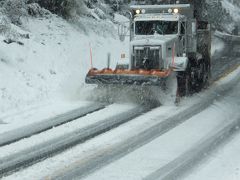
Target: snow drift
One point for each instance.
(47, 58)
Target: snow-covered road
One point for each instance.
(223, 164)
(29, 150)
(34, 121)
(174, 152)
(151, 143)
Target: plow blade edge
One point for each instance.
(125, 80)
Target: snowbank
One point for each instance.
(53, 62)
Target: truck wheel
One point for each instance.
(203, 75)
(184, 84)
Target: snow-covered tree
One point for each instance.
(4, 24)
(14, 10)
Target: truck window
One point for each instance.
(156, 27)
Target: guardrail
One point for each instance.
(227, 37)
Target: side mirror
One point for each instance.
(123, 29)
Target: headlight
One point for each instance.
(175, 11)
(138, 11)
(169, 10)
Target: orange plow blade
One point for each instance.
(127, 77)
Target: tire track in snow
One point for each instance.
(103, 157)
(32, 155)
(178, 167)
(36, 128)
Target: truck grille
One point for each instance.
(148, 57)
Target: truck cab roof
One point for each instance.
(157, 7)
(144, 10)
(159, 16)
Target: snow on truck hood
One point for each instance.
(153, 40)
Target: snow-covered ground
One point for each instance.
(223, 165)
(80, 123)
(16, 119)
(53, 62)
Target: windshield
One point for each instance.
(156, 27)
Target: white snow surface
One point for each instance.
(152, 156)
(57, 132)
(223, 165)
(15, 118)
(52, 64)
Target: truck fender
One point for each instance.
(179, 64)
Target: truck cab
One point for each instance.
(161, 36)
(156, 39)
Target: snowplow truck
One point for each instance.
(164, 39)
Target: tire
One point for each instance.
(203, 75)
(184, 84)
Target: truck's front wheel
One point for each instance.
(184, 84)
(202, 75)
